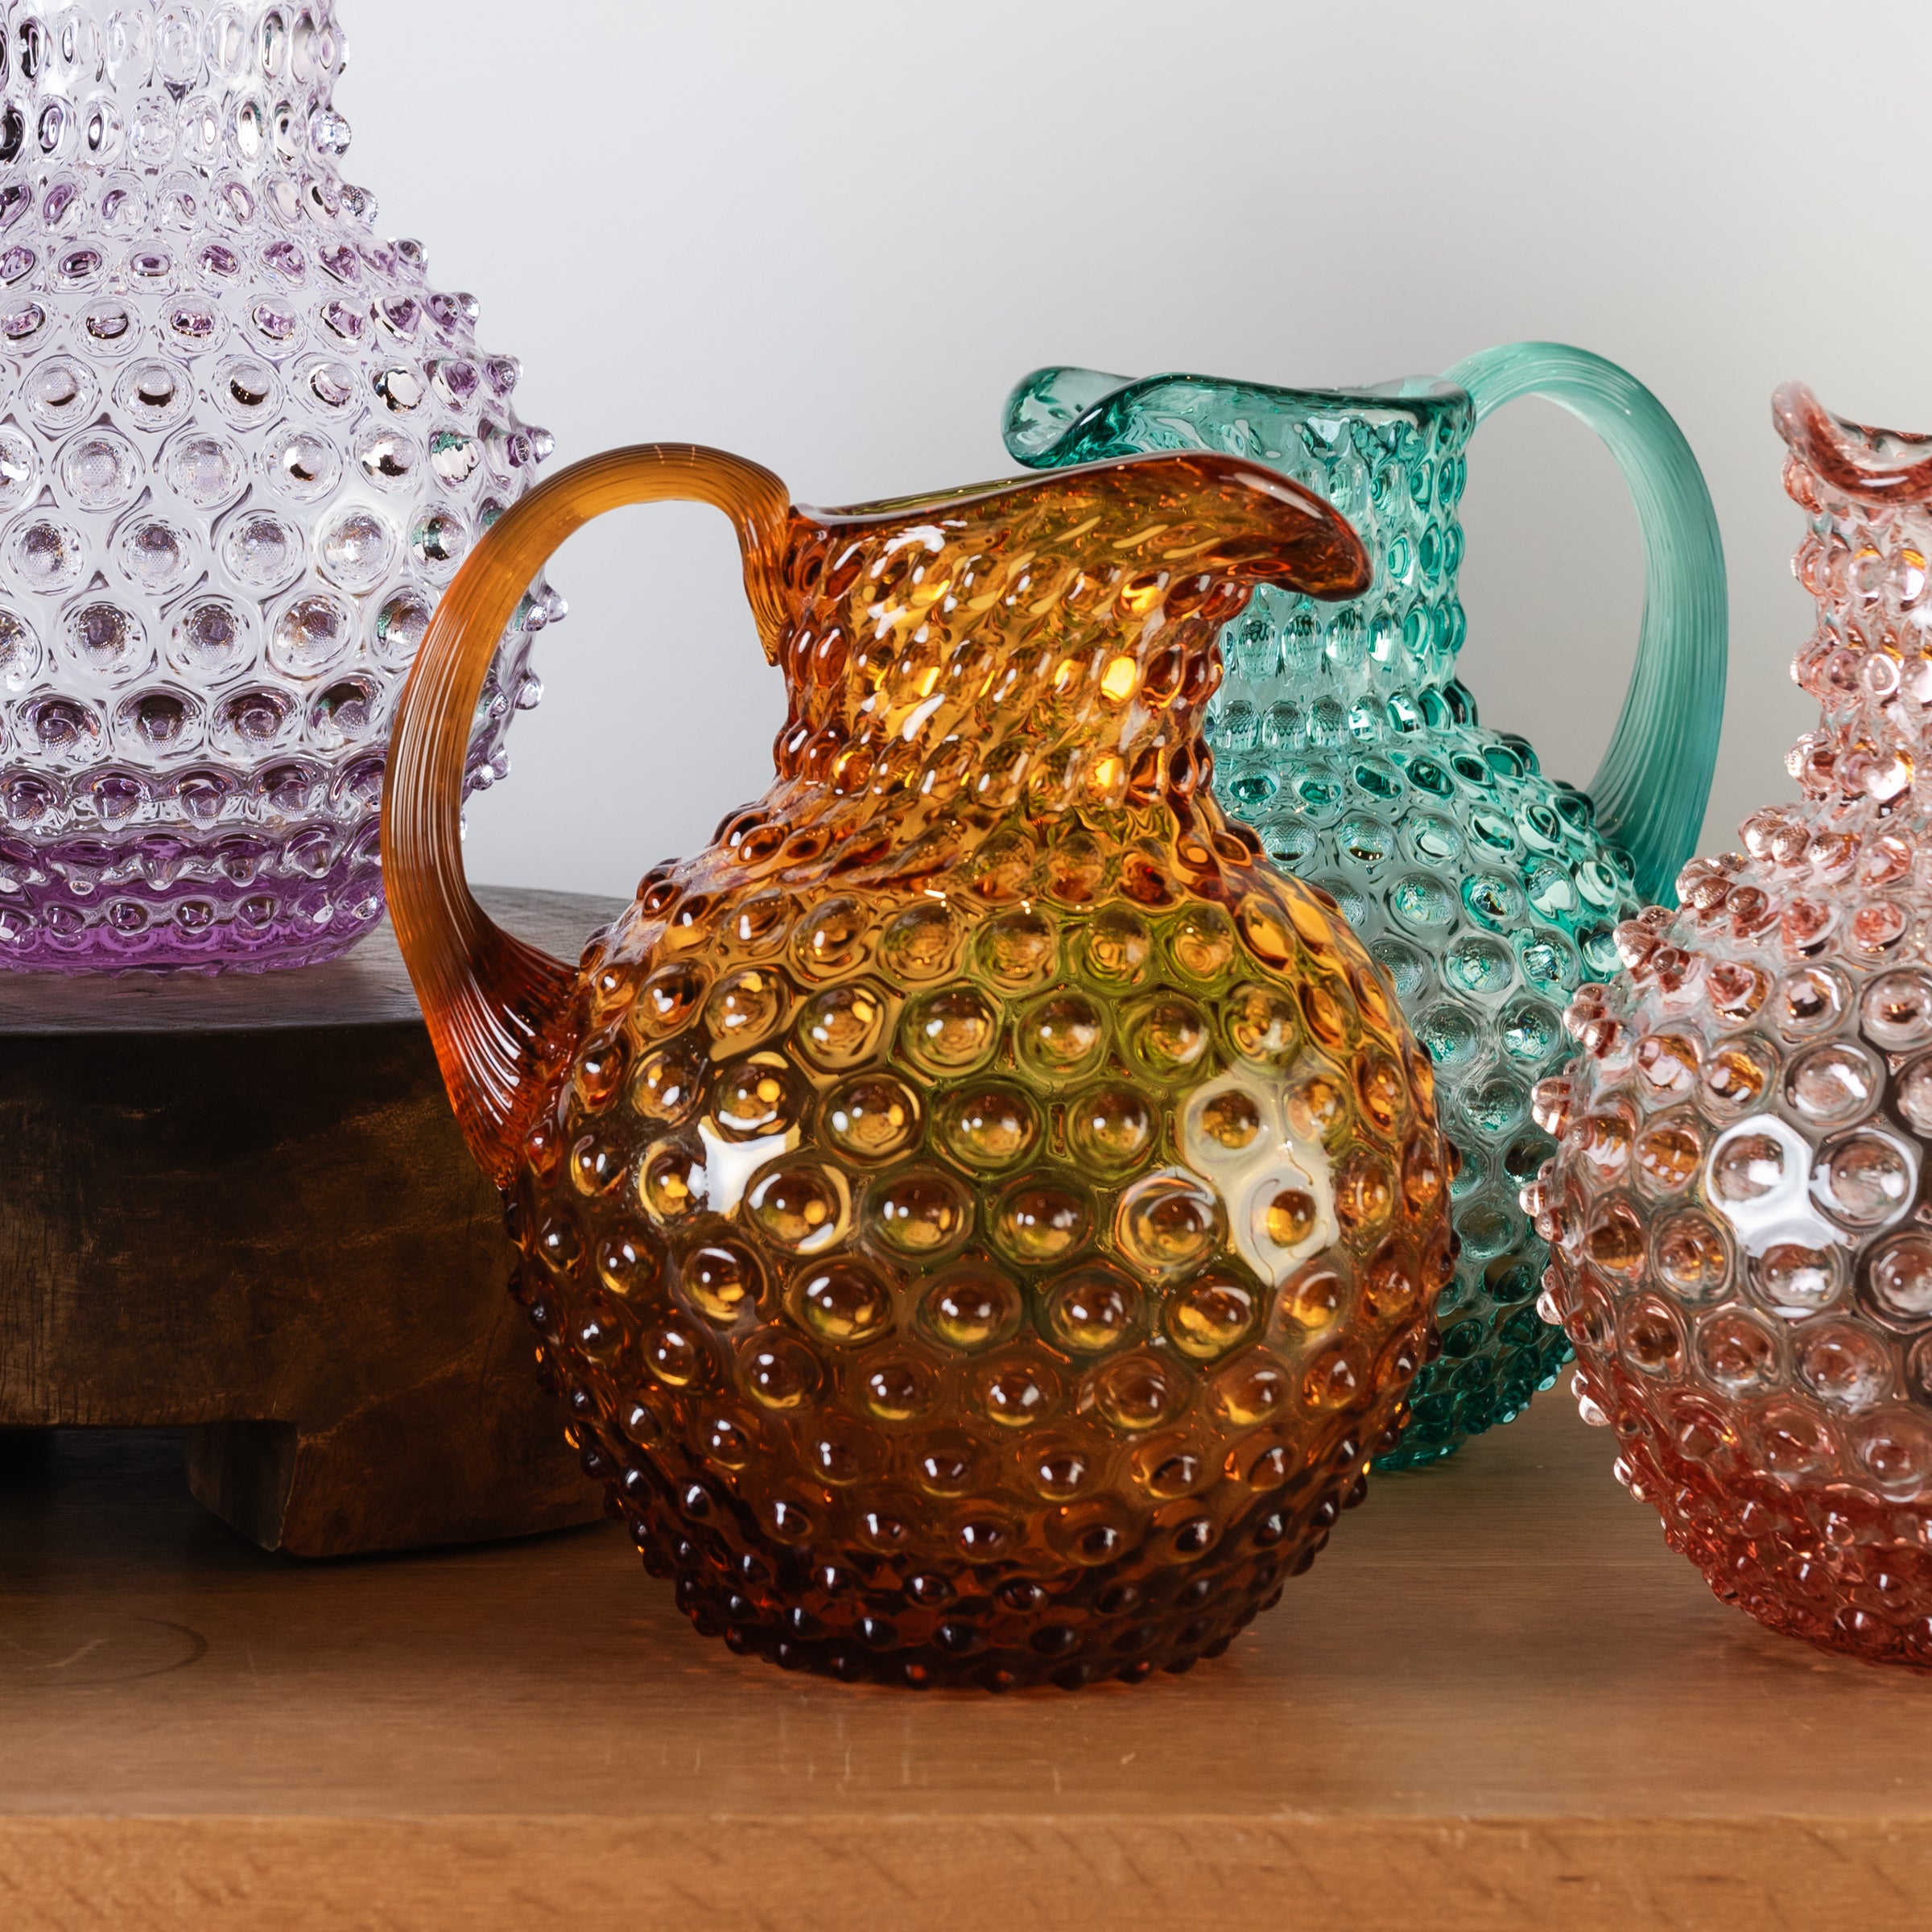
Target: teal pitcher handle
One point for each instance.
(1652, 787)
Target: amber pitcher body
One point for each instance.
(1738, 1207)
(980, 1219)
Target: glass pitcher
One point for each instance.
(1742, 1245)
(244, 443)
(980, 1217)
(1343, 735)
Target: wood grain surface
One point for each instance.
(1496, 1701)
(241, 1204)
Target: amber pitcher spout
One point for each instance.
(980, 1219)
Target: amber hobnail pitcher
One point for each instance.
(980, 1217)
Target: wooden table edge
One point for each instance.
(911, 1869)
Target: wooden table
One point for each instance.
(1496, 1701)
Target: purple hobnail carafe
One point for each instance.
(244, 444)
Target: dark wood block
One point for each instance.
(240, 1205)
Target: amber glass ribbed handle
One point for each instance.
(492, 1003)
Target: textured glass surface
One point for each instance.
(1342, 734)
(981, 1218)
(243, 445)
(1743, 1243)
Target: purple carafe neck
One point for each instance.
(170, 103)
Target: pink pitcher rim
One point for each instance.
(1877, 466)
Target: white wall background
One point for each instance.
(829, 234)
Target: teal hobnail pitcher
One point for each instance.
(1343, 735)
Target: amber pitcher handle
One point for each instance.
(499, 1011)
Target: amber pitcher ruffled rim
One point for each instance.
(1869, 465)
